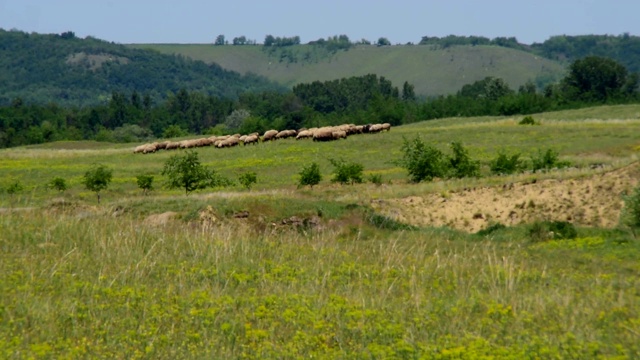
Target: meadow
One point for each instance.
(87, 280)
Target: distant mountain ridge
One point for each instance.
(71, 71)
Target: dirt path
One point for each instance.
(592, 201)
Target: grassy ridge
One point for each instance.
(433, 72)
(611, 135)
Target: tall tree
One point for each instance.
(596, 78)
(219, 40)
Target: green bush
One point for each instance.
(145, 182)
(422, 162)
(173, 131)
(505, 164)
(547, 160)
(248, 179)
(58, 184)
(188, 173)
(346, 172)
(461, 164)
(375, 179)
(491, 229)
(310, 175)
(549, 230)
(97, 179)
(528, 120)
(15, 187)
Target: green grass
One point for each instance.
(612, 136)
(432, 72)
(86, 281)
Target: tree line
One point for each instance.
(132, 117)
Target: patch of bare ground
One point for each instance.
(588, 201)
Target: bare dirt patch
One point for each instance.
(591, 201)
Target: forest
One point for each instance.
(70, 71)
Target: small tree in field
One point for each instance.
(145, 182)
(248, 179)
(310, 175)
(461, 164)
(188, 173)
(97, 179)
(58, 184)
(423, 162)
(346, 172)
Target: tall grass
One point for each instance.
(86, 284)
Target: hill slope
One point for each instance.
(432, 70)
(69, 70)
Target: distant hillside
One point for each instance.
(433, 70)
(623, 48)
(73, 71)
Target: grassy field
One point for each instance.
(432, 72)
(82, 280)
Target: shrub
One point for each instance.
(421, 161)
(145, 182)
(310, 175)
(384, 222)
(58, 184)
(547, 160)
(188, 173)
(346, 172)
(528, 120)
(15, 187)
(97, 179)
(548, 230)
(131, 133)
(173, 131)
(505, 164)
(248, 179)
(461, 164)
(630, 215)
(375, 179)
(491, 229)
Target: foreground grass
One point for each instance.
(86, 284)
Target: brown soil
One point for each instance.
(592, 201)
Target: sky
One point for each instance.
(400, 21)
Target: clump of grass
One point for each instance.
(550, 230)
(491, 229)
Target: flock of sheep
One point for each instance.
(327, 133)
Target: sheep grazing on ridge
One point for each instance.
(269, 135)
(386, 127)
(304, 134)
(232, 141)
(251, 139)
(323, 134)
(340, 134)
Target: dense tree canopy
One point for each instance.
(598, 79)
(71, 71)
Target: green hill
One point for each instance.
(67, 70)
(432, 69)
